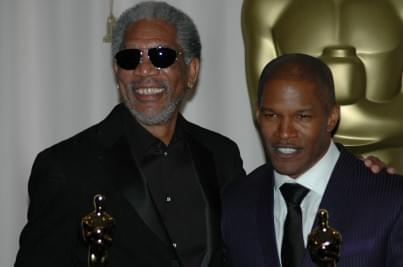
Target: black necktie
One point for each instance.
(292, 250)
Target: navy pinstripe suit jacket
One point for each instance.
(366, 208)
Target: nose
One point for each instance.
(286, 129)
(145, 67)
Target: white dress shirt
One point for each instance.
(315, 179)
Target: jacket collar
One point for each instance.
(265, 218)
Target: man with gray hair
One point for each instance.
(161, 175)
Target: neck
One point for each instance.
(163, 131)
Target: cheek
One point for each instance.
(179, 83)
(317, 139)
(316, 129)
(266, 130)
(177, 77)
(123, 77)
(124, 91)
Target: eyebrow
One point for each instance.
(304, 109)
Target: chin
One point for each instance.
(286, 170)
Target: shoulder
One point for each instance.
(90, 139)
(242, 198)
(222, 147)
(74, 146)
(265, 170)
(261, 179)
(224, 152)
(208, 137)
(357, 175)
(350, 163)
(52, 166)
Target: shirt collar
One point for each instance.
(142, 140)
(315, 178)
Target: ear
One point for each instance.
(333, 118)
(115, 68)
(257, 112)
(193, 72)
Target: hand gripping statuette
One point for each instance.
(97, 229)
(324, 242)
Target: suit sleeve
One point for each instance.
(233, 170)
(395, 246)
(50, 234)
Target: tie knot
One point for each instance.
(293, 193)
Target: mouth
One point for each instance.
(149, 95)
(149, 91)
(282, 151)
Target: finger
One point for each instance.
(375, 168)
(391, 170)
(367, 162)
(376, 161)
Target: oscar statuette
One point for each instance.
(324, 242)
(97, 230)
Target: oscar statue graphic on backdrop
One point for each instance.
(362, 43)
(97, 229)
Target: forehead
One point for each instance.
(279, 91)
(148, 33)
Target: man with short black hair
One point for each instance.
(267, 216)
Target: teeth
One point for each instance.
(149, 91)
(286, 150)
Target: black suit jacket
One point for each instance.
(65, 178)
(366, 208)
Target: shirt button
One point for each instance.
(165, 153)
(174, 245)
(168, 199)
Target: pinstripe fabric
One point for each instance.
(366, 208)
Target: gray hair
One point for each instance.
(186, 31)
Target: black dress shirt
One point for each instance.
(174, 187)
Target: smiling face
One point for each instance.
(294, 125)
(153, 95)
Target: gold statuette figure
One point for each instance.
(361, 41)
(97, 228)
(324, 242)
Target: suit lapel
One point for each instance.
(120, 166)
(206, 174)
(265, 219)
(339, 182)
(332, 200)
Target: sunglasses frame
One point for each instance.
(141, 54)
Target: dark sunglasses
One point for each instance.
(160, 57)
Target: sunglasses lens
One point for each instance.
(162, 57)
(128, 59)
